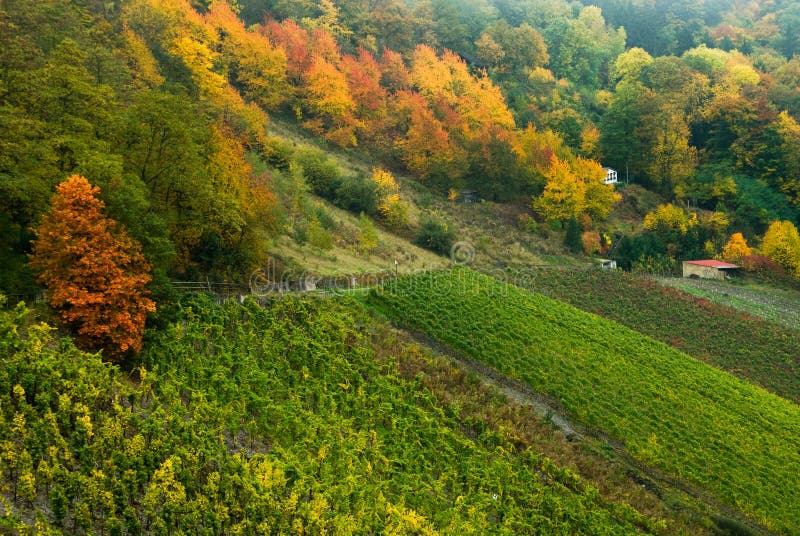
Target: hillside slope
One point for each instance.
(755, 350)
(694, 422)
(256, 420)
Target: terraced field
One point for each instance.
(694, 422)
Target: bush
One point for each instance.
(367, 235)
(278, 154)
(324, 217)
(300, 232)
(763, 266)
(357, 195)
(526, 222)
(591, 242)
(435, 236)
(318, 236)
(320, 172)
(425, 199)
(394, 212)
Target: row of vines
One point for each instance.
(776, 304)
(759, 351)
(251, 420)
(671, 411)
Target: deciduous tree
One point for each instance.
(564, 194)
(736, 248)
(94, 272)
(575, 188)
(782, 244)
(328, 97)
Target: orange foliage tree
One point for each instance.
(328, 98)
(94, 272)
(427, 149)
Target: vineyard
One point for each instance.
(781, 305)
(759, 351)
(254, 420)
(690, 420)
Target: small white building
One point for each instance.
(606, 264)
(611, 176)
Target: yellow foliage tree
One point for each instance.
(144, 66)
(669, 218)
(599, 197)
(573, 189)
(253, 62)
(590, 138)
(564, 194)
(782, 244)
(736, 248)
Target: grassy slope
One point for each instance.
(490, 229)
(692, 421)
(345, 258)
(291, 418)
(753, 349)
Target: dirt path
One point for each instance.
(640, 474)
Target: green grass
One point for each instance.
(692, 421)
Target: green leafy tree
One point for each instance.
(573, 237)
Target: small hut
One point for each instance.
(708, 269)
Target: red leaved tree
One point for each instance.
(94, 272)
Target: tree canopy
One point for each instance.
(94, 272)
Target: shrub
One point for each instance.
(394, 211)
(324, 217)
(435, 236)
(357, 194)
(762, 265)
(591, 242)
(425, 199)
(318, 236)
(278, 154)
(526, 222)
(320, 172)
(367, 236)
